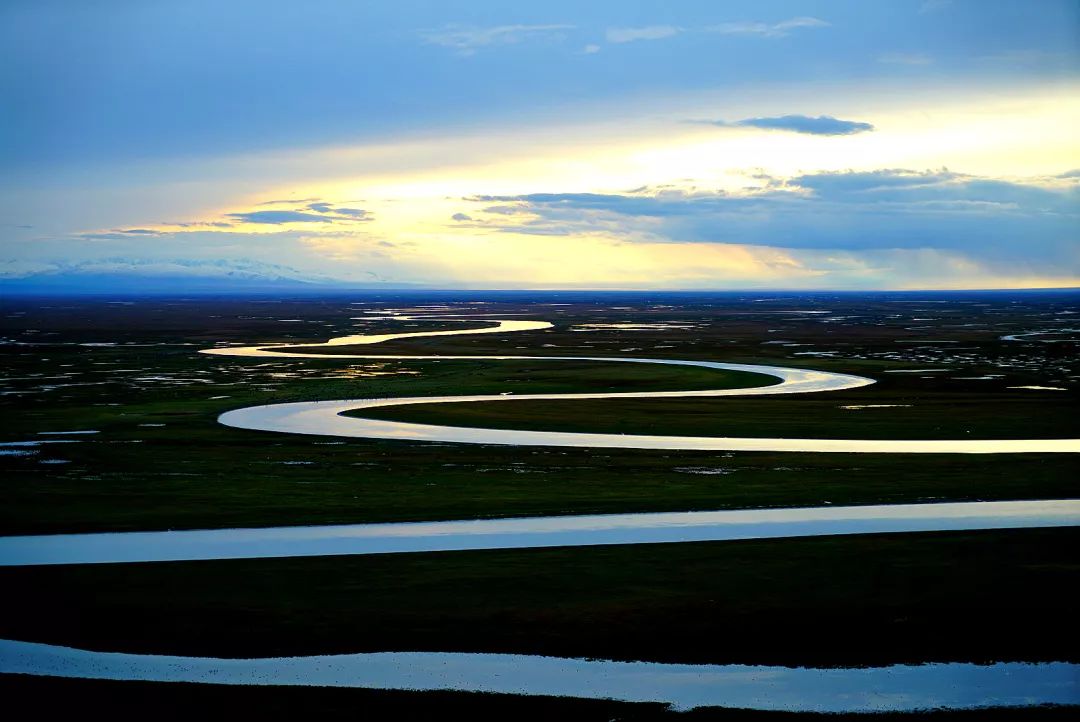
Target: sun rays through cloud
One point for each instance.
(892, 165)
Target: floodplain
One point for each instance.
(116, 430)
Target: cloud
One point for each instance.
(118, 234)
(287, 201)
(661, 32)
(821, 125)
(767, 30)
(1032, 221)
(467, 39)
(905, 59)
(305, 211)
(198, 225)
(277, 217)
(650, 32)
(225, 268)
(946, 190)
(316, 212)
(882, 228)
(357, 213)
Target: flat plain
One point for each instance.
(110, 425)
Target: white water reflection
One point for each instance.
(323, 418)
(684, 686)
(535, 532)
(501, 326)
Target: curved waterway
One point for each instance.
(528, 533)
(501, 326)
(683, 686)
(324, 418)
(895, 688)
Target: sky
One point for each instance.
(895, 144)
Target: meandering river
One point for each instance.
(895, 688)
(324, 418)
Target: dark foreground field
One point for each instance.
(128, 369)
(827, 601)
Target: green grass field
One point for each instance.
(828, 601)
(161, 461)
(904, 415)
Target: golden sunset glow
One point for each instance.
(846, 182)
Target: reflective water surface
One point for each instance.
(523, 533)
(896, 688)
(684, 686)
(323, 418)
(501, 326)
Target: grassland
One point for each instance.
(882, 413)
(160, 461)
(829, 601)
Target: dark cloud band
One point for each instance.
(821, 125)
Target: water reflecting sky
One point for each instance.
(535, 532)
(685, 686)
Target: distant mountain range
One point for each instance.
(172, 276)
